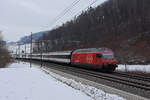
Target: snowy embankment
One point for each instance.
(94, 93)
(142, 68)
(22, 82)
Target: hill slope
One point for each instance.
(122, 25)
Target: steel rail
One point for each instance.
(134, 76)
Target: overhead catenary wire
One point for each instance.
(78, 12)
(68, 10)
(86, 7)
(65, 11)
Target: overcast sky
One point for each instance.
(21, 17)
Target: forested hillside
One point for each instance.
(122, 25)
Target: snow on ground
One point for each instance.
(33, 84)
(143, 68)
(21, 82)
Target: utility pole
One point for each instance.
(38, 46)
(25, 50)
(19, 49)
(41, 51)
(31, 50)
(16, 53)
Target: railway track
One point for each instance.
(122, 80)
(140, 77)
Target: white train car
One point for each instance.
(59, 57)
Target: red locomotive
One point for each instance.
(98, 58)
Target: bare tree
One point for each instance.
(4, 54)
(1, 38)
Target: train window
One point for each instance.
(108, 56)
(98, 55)
(60, 56)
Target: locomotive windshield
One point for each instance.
(108, 56)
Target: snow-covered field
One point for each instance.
(143, 68)
(21, 82)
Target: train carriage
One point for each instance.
(59, 57)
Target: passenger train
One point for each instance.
(95, 58)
